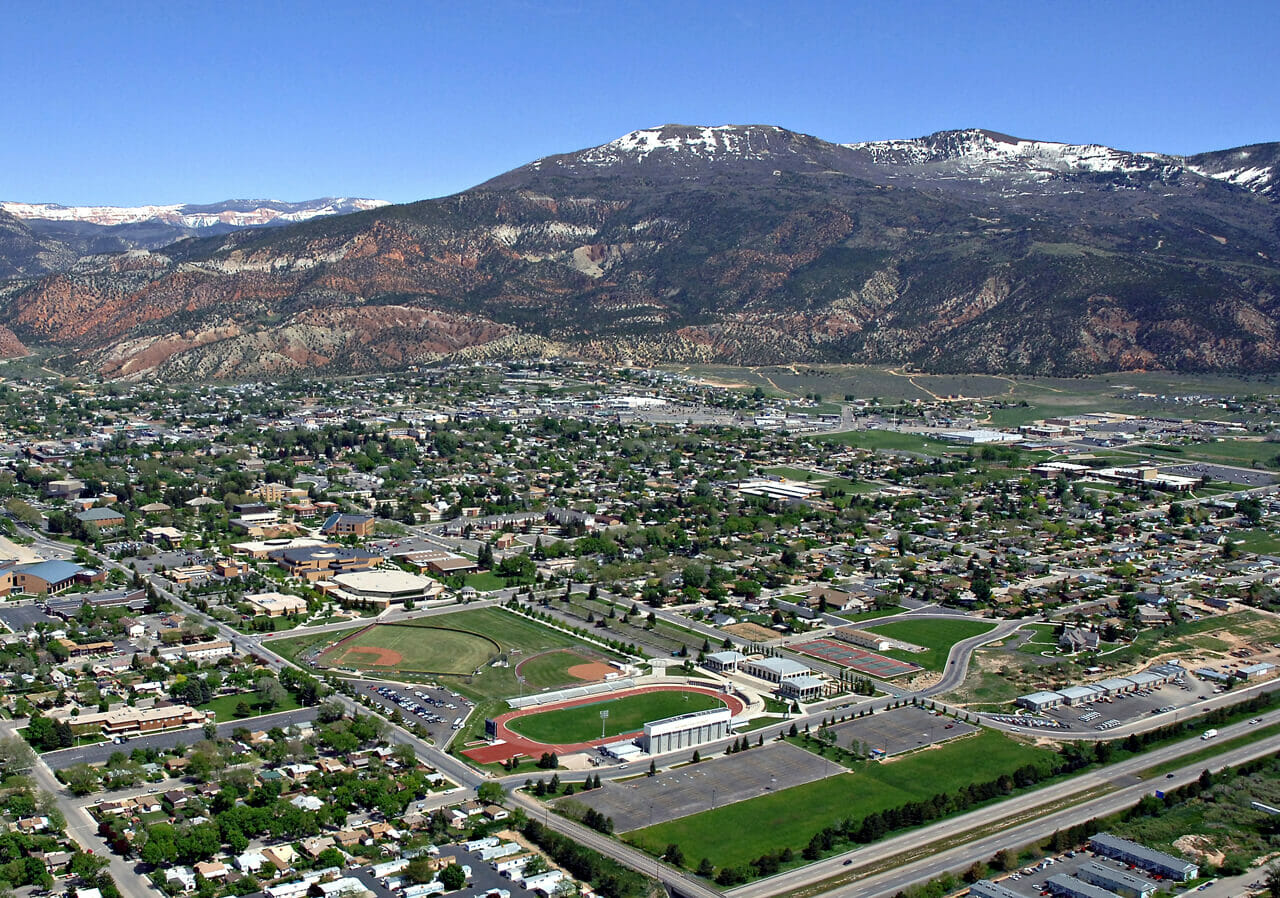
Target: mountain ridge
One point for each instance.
(962, 250)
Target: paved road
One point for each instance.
(1118, 778)
(99, 752)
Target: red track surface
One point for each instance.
(514, 744)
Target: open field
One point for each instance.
(224, 706)
(820, 481)
(735, 834)
(936, 636)
(1227, 451)
(413, 648)
(1257, 540)
(891, 439)
(457, 650)
(627, 714)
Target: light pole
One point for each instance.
(604, 717)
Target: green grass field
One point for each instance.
(423, 646)
(550, 669)
(516, 636)
(936, 636)
(1257, 540)
(732, 835)
(224, 706)
(890, 439)
(627, 714)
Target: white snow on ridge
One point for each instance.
(724, 141)
(175, 214)
(1259, 179)
(981, 147)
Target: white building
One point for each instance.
(685, 730)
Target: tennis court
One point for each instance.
(854, 658)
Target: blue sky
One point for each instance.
(115, 103)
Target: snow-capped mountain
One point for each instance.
(65, 233)
(235, 213)
(960, 251)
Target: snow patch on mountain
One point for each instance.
(991, 150)
(727, 142)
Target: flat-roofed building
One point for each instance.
(125, 720)
(1148, 859)
(1121, 882)
(726, 661)
(685, 730)
(775, 670)
(383, 587)
(322, 562)
(275, 604)
(804, 688)
(1039, 701)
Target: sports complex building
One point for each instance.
(685, 730)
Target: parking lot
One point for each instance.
(694, 788)
(21, 618)
(1218, 472)
(442, 712)
(1126, 708)
(899, 730)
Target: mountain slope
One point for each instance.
(965, 250)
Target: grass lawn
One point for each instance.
(488, 581)
(1041, 639)
(936, 636)
(520, 638)
(1242, 453)
(873, 614)
(295, 647)
(820, 481)
(551, 669)
(890, 439)
(424, 647)
(627, 714)
(735, 834)
(224, 706)
(1257, 541)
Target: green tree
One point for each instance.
(453, 878)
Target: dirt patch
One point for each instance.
(377, 657)
(590, 672)
(1200, 848)
(754, 632)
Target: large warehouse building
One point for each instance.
(685, 730)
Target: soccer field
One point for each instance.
(627, 714)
